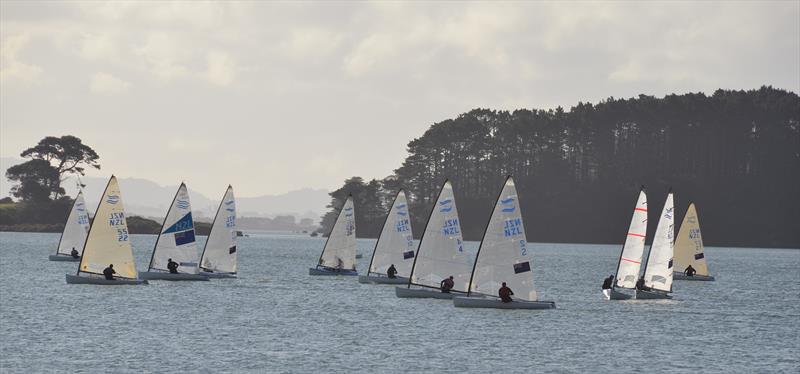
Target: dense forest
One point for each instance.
(736, 154)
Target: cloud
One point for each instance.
(11, 68)
(104, 83)
(163, 54)
(221, 69)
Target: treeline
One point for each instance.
(736, 154)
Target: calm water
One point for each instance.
(276, 318)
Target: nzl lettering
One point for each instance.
(451, 227)
(402, 225)
(512, 227)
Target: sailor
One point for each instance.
(689, 272)
(391, 272)
(607, 285)
(109, 272)
(339, 264)
(447, 284)
(172, 266)
(74, 253)
(505, 293)
(640, 284)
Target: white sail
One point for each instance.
(108, 241)
(396, 243)
(340, 248)
(75, 229)
(630, 260)
(177, 238)
(441, 250)
(503, 255)
(219, 253)
(658, 273)
(689, 244)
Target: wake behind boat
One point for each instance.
(630, 257)
(73, 238)
(690, 259)
(503, 263)
(107, 254)
(219, 258)
(338, 256)
(395, 247)
(658, 272)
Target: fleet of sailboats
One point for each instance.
(338, 256)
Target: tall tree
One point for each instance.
(67, 154)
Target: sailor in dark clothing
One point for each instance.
(505, 293)
(447, 284)
(640, 285)
(74, 253)
(172, 266)
(391, 272)
(109, 272)
(689, 272)
(607, 285)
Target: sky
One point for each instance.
(273, 97)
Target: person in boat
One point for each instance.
(74, 253)
(689, 272)
(109, 272)
(505, 293)
(172, 266)
(640, 285)
(607, 285)
(391, 272)
(447, 284)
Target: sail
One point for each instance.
(340, 248)
(689, 244)
(177, 238)
(219, 253)
(75, 229)
(108, 241)
(441, 250)
(503, 255)
(630, 260)
(658, 273)
(395, 246)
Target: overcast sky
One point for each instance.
(273, 97)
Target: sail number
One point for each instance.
(230, 221)
(513, 227)
(522, 249)
(122, 235)
(83, 220)
(116, 219)
(402, 225)
(694, 233)
(451, 227)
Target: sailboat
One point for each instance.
(440, 253)
(107, 243)
(219, 253)
(630, 257)
(395, 246)
(689, 249)
(74, 234)
(503, 258)
(658, 272)
(176, 242)
(338, 257)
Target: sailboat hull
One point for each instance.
(218, 275)
(485, 302)
(616, 295)
(422, 293)
(681, 276)
(74, 279)
(64, 258)
(376, 279)
(322, 271)
(157, 275)
(650, 295)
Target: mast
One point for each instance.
(483, 237)
(200, 265)
(155, 246)
(83, 251)
(621, 251)
(419, 246)
(385, 221)
(341, 210)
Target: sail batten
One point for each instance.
(176, 240)
(219, 252)
(658, 273)
(630, 260)
(689, 248)
(75, 229)
(395, 245)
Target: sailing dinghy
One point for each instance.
(630, 258)
(219, 253)
(338, 257)
(107, 242)
(176, 242)
(395, 246)
(658, 272)
(74, 234)
(503, 257)
(440, 253)
(689, 249)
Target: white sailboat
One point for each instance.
(108, 243)
(74, 235)
(219, 253)
(503, 258)
(395, 246)
(630, 257)
(338, 257)
(658, 272)
(689, 249)
(176, 243)
(440, 254)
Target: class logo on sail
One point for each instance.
(508, 205)
(112, 199)
(182, 204)
(446, 206)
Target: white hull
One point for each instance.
(379, 279)
(429, 293)
(485, 302)
(681, 276)
(74, 279)
(617, 295)
(64, 258)
(159, 275)
(650, 295)
(218, 275)
(316, 271)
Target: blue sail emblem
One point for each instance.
(401, 206)
(509, 203)
(446, 207)
(401, 213)
(182, 204)
(112, 199)
(183, 224)
(445, 202)
(348, 212)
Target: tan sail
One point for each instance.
(689, 244)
